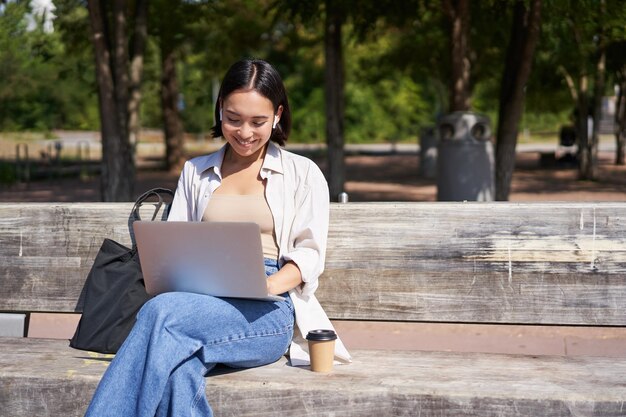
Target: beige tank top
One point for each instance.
(245, 208)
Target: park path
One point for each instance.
(376, 174)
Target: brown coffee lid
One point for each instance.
(321, 335)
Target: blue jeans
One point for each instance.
(177, 339)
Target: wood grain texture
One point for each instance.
(47, 249)
(542, 263)
(46, 378)
(477, 262)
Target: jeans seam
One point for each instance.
(284, 331)
(201, 391)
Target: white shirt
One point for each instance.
(298, 197)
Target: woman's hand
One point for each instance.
(287, 278)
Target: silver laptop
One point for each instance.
(214, 258)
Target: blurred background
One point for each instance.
(406, 100)
(521, 99)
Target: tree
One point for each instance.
(197, 42)
(334, 88)
(458, 13)
(136, 71)
(524, 35)
(335, 13)
(588, 151)
(616, 69)
(168, 18)
(45, 83)
(111, 48)
(616, 61)
(620, 120)
(578, 43)
(25, 71)
(362, 18)
(610, 68)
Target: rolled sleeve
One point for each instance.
(309, 232)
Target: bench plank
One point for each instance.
(47, 249)
(477, 262)
(539, 263)
(45, 378)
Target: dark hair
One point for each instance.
(260, 76)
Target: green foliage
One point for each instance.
(42, 83)
(383, 101)
(569, 45)
(390, 110)
(546, 121)
(382, 106)
(396, 62)
(76, 81)
(150, 106)
(198, 95)
(208, 38)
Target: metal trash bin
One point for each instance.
(428, 152)
(465, 158)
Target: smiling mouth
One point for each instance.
(245, 142)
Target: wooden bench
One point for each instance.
(495, 263)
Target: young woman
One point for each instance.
(179, 337)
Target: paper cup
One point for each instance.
(321, 349)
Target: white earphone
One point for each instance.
(220, 114)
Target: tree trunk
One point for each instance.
(458, 13)
(520, 52)
(120, 64)
(582, 124)
(122, 84)
(589, 165)
(172, 124)
(117, 177)
(589, 156)
(620, 121)
(334, 89)
(140, 38)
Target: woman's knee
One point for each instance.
(160, 306)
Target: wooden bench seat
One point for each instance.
(42, 376)
(487, 263)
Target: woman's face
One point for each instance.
(247, 120)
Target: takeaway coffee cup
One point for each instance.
(321, 349)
